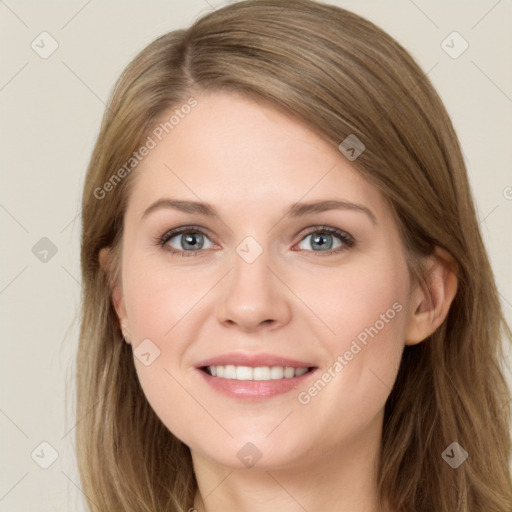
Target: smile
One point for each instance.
(260, 373)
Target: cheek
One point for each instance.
(158, 297)
(365, 312)
(159, 306)
(356, 301)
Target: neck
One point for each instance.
(343, 479)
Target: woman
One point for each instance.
(287, 301)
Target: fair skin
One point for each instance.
(251, 162)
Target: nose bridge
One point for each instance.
(252, 294)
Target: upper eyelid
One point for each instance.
(171, 233)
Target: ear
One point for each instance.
(431, 299)
(105, 259)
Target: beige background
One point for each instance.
(50, 113)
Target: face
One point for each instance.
(264, 288)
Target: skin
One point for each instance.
(251, 162)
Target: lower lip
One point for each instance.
(254, 389)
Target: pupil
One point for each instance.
(190, 240)
(318, 240)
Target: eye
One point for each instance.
(189, 241)
(322, 238)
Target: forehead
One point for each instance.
(231, 149)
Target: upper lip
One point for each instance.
(253, 360)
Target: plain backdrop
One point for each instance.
(50, 110)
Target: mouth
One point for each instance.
(257, 373)
(254, 377)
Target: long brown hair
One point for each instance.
(342, 75)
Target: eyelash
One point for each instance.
(347, 240)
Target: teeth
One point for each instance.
(230, 371)
(288, 372)
(244, 373)
(276, 372)
(260, 373)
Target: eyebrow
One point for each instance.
(295, 210)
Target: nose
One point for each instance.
(253, 296)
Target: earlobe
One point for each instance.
(432, 298)
(104, 257)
